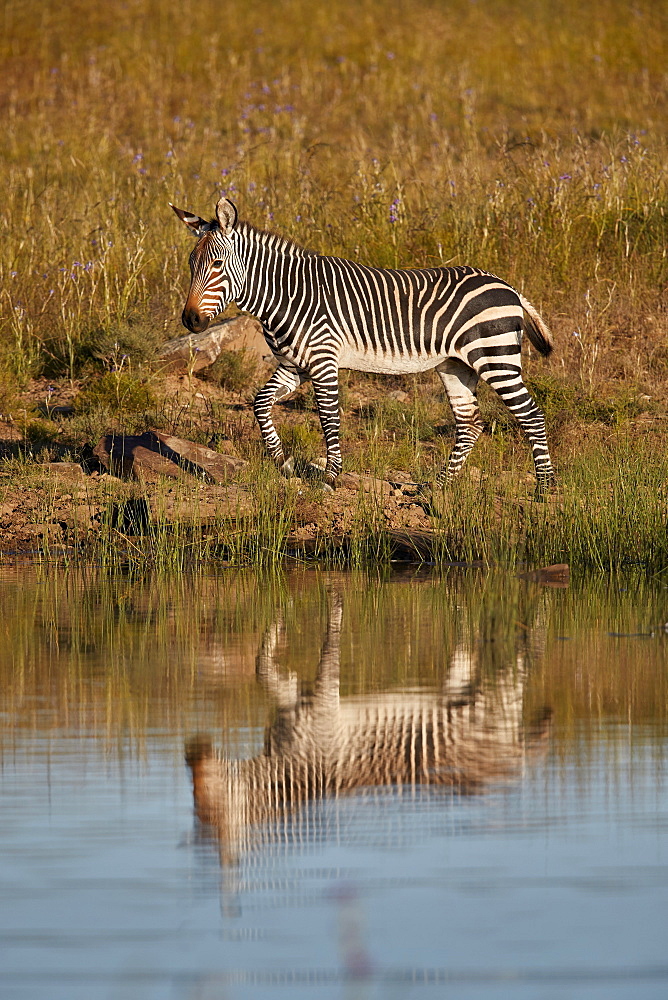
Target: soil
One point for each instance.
(56, 505)
(48, 506)
(64, 508)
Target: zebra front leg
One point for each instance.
(284, 690)
(282, 384)
(460, 383)
(325, 379)
(506, 380)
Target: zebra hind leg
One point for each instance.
(282, 384)
(506, 380)
(460, 383)
(325, 381)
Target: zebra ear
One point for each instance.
(227, 216)
(196, 225)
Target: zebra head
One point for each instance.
(217, 271)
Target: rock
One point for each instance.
(197, 351)
(400, 476)
(219, 467)
(230, 503)
(150, 455)
(353, 481)
(118, 453)
(47, 530)
(80, 516)
(57, 410)
(149, 465)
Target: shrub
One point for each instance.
(234, 370)
(122, 393)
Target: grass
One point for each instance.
(608, 515)
(530, 139)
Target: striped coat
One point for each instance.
(321, 314)
(324, 746)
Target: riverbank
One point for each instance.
(187, 482)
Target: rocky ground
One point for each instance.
(73, 474)
(65, 504)
(170, 478)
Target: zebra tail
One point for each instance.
(536, 329)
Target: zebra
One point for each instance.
(320, 314)
(464, 737)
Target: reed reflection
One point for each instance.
(463, 737)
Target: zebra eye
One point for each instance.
(216, 263)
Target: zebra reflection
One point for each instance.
(464, 737)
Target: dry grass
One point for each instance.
(528, 138)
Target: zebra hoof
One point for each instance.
(288, 467)
(315, 470)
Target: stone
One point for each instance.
(149, 465)
(219, 467)
(230, 503)
(400, 476)
(152, 455)
(80, 516)
(197, 351)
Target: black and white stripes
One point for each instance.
(322, 313)
(465, 735)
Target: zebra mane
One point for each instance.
(274, 241)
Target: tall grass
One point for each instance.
(609, 514)
(527, 137)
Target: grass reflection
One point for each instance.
(117, 656)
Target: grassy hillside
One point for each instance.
(526, 137)
(529, 138)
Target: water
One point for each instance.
(524, 854)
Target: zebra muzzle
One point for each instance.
(194, 321)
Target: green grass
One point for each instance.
(608, 514)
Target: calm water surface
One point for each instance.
(439, 787)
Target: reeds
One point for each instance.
(125, 656)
